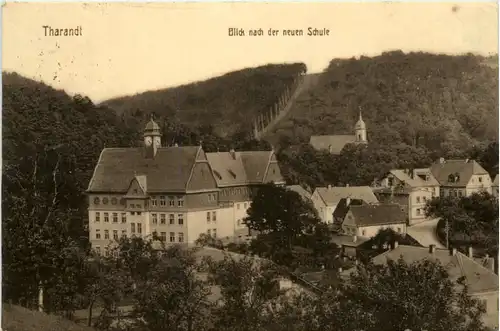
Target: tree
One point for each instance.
(248, 289)
(399, 296)
(282, 212)
(172, 297)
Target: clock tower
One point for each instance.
(152, 136)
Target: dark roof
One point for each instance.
(333, 194)
(300, 190)
(334, 144)
(168, 171)
(464, 168)
(366, 215)
(478, 278)
(241, 168)
(342, 207)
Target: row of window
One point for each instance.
(163, 236)
(172, 201)
(171, 219)
(452, 193)
(213, 218)
(114, 217)
(235, 191)
(422, 199)
(105, 201)
(212, 232)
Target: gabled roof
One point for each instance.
(368, 215)
(495, 181)
(240, 168)
(343, 207)
(334, 144)
(168, 171)
(332, 195)
(464, 168)
(412, 177)
(478, 278)
(300, 190)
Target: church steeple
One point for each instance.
(360, 129)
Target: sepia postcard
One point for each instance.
(250, 166)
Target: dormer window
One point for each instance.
(480, 179)
(231, 173)
(217, 174)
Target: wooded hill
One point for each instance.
(228, 103)
(439, 102)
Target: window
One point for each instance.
(214, 233)
(418, 199)
(238, 222)
(180, 219)
(114, 201)
(171, 201)
(214, 216)
(480, 179)
(97, 233)
(154, 202)
(209, 197)
(106, 217)
(115, 217)
(163, 219)
(132, 227)
(155, 218)
(106, 234)
(139, 228)
(138, 213)
(171, 219)
(209, 232)
(425, 199)
(208, 217)
(172, 237)
(459, 193)
(124, 233)
(124, 217)
(105, 201)
(399, 229)
(390, 181)
(98, 249)
(115, 234)
(97, 201)
(245, 205)
(180, 201)
(181, 237)
(363, 232)
(132, 213)
(162, 201)
(238, 206)
(98, 217)
(418, 211)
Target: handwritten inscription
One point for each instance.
(50, 31)
(310, 31)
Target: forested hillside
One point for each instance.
(438, 102)
(227, 103)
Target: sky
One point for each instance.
(128, 48)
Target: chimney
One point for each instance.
(340, 270)
(233, 154)
(396, 244)
(432, 249)
(453, 252)
(348, 201)
(354, 239)
(471, 253)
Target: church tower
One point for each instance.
(152, 136)
(360, 130)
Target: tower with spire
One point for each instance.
(360, 130)
(152, 135)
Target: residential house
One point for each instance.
(176, 192)
(305, 194)
(461, 177)
(334, 144)
(326, 199)
(411, 188)
(349, 245)
(341, 210)
(482, 282)
(367, 220)
(494, 187)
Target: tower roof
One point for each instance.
(360, 124)
(152, 127)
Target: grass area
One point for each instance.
(16, 318)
